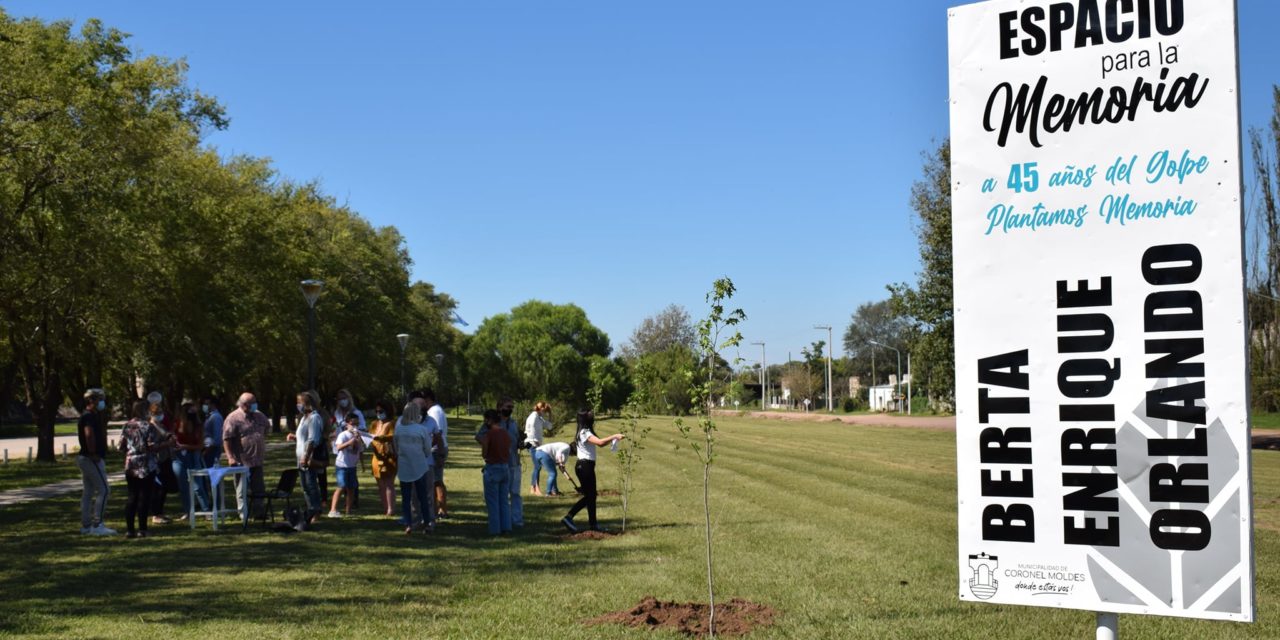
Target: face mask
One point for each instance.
(102, 404)
(506, 413)
(301, 408)
(343, 403)
(159, 417)
(382, 416)
(204, 408)
(253, 407)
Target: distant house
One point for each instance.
(880, 397)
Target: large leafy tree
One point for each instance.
(876, 322)
(134, 256)
(537, 351)
(671, 327)
(928, 304)
(82, 123)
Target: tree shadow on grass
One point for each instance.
(50, 575)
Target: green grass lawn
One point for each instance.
(21, 474)
(27, 430)
(848, 531)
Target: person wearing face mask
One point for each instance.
(384, 455)
(344, 405)
(244, 439)
(92, 433)
(186, 457)
(310, 442)
(166, 479)
(505, 408)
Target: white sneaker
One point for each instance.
(335, 514)
(102, 530)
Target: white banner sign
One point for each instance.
(1102, 395)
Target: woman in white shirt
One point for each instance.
(586, 469)
(534, 426)
(551, 456)
(309, 439)
(413, 456)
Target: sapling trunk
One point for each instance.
(706, 512)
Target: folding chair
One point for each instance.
(283, 491)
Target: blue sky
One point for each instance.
(616, 155)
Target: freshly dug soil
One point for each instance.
(589, 535)
(733, 618)
(608, 493)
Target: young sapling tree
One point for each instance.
(716, 332)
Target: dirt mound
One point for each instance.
(608, 493)
(590, 535)
(733, 618)
(1266, 441)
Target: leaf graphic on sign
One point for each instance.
(1140, 573)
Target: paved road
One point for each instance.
(880, 420)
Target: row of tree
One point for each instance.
(137, 258)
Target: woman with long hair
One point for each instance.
(587, 441)
(534, 427)
(383, 431)
(310, 445)
(186, 456)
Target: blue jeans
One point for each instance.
(543, 461)
(422, 489)
(311, 489)
(515, 479)
(497, 497)
(182, 462)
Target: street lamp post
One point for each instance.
(830, 400)
(403, 339)
(440, 387)
(897, 386)
(311, 290)
(764, 377)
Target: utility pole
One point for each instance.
(764, 377)
(830, 400)
(311, 290)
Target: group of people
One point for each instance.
(544, 456)
(410, 450)
(159, 450)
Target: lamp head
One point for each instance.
(311, 291)
(403, 339)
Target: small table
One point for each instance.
(216, 475)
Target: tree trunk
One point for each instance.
(706, 512)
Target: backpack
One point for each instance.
(295, 518)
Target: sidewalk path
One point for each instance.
(878, 420)
(63, 487)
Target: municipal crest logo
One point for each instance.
(982, 581)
